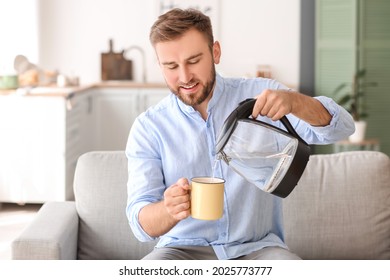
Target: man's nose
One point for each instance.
(185, 75)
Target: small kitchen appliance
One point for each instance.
(267, 156)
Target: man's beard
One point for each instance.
(193, 100)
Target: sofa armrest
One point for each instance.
(52, 234)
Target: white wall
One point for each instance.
(73, 33)
(261, 32)
(19, 32)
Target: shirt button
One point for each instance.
(223, 234)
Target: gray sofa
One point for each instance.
(339, 210)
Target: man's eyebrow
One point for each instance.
(189, 58)
(195, 56)
(168, 63)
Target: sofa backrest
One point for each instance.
(100, 195)
(340, 208)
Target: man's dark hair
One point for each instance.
(174, 23)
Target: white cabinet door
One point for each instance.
(41, 140)
(32, 149)
(150, 97)
(46, 151)
(82, 113)
(115, 111)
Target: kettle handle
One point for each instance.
(245, 108)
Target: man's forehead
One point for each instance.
(180, 50)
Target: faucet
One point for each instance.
(138, 48)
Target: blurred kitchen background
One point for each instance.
(69, 36)
(74, 74)
(58, 99)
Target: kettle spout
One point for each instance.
(222, 155)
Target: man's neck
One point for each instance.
(202, 108)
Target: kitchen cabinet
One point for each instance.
(115, 111)
(41, 139)
(78, 135)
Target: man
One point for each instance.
(175, 141)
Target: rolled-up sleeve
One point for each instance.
(340, 127)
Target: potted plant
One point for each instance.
(350, 96)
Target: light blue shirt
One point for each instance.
(171, 140)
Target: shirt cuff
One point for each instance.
(341, 124)
(135, 225)
(332, 107)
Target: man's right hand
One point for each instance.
(177, 199)
(158, 218)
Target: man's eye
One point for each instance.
(171, 67)
(193, 61)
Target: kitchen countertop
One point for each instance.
(70, 91)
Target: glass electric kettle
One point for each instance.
(269, 157)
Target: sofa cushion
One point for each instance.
(101, 195)
(340, 208)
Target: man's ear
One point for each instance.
(216, 52)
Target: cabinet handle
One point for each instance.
(89, 110)
(69, 104)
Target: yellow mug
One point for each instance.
(207, 195)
